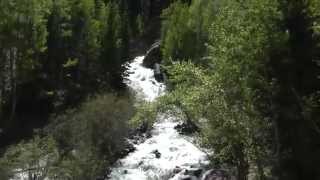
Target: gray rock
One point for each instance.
(158, 75)
(196, 172)
(177, 170)
(186, 178)
(153, 56)
(157, 154)
(215, 174)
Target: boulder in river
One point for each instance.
(187, 177)
(196, 172)
(128, 148)
(156, 153)
(216, 174)
(187, 128)
(177, 170)
(185, 174)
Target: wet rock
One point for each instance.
(156, 153)
(139, 131)
(153, 82)
(140, 163)
(196, 172)
(177, 170)
(148, 134)
(193, 166)
(186, 178)
(193, 172)
(147, 167)
(187, 128)
(153, 55)
(215, 174)
(158, 75)
(173, 149)
(128, 148)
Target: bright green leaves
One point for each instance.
(221, 94)
(115, 41)
(71, 63)
(239, 43)
(185, 30)
(145, 116)
(185, 73)
(24, 22)
(79, 144)
(190, 85)
(91, 136)
(140, 25)
(314, 11)
(175, 31)
(23, 27)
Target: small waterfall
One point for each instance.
(142, 81)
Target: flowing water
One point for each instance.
(166, 154)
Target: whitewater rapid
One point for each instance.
(166, 154)
(142, 81)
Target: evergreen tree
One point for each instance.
(23, 36)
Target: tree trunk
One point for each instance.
(13, 59)
(260, 171)
(2, 61)
(243, 165)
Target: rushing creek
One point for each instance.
(166, 154)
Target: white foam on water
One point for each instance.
(175, 150)
(142, 80)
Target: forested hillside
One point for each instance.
(61, 65)
(243, 76)
(55, 53)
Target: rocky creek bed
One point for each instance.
(166, 154)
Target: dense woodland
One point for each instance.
(246, 73)
(55, 53)
(61, 63)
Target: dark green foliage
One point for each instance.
(36, 158)
(145, 116)
(99, 121)
(80, 144)
(297, 88)
(115, 44)
(185, 30)
(22, 38)
(55, 53)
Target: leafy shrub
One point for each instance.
(145, 116)
(79, 144)
(99, 126)
(221, 93)
(34, 159)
